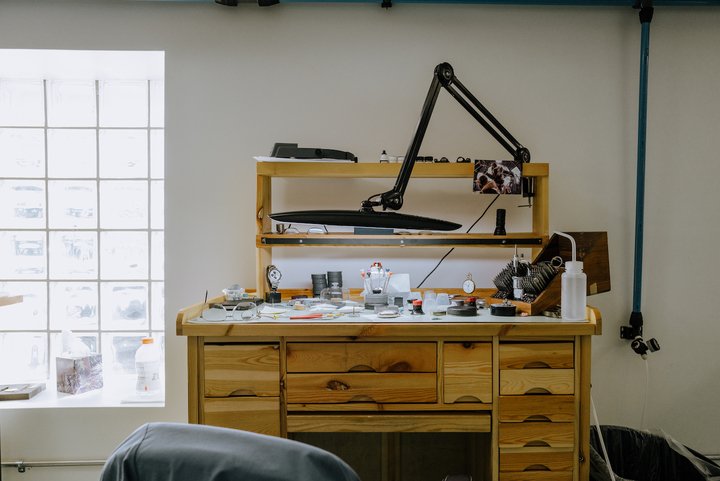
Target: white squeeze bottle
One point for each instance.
(148, 360)
(573, 295)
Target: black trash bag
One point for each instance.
(644, 456)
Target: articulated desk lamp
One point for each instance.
(444, 76)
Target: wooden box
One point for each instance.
(592, 250)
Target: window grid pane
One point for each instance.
(80, 249)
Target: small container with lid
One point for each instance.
(417, 307)
(148, 362)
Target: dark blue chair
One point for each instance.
(192, 452)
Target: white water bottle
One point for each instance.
(148, 361)
(573, 291)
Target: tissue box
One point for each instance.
(79, 374)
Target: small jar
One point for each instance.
(417, 307)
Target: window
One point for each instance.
(81, 210)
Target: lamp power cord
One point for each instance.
(452, 249)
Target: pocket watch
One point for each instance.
(468, 285)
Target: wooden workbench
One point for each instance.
(525, 383)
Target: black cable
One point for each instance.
(452, 249)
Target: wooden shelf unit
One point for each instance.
(266, 239)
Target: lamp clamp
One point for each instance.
(641, 347)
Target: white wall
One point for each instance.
(563, 80)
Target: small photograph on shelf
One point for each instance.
(497, 177)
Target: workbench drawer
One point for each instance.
(256, 414)
(534, 355)
(547, 434)
(535, 459)
(362, 387)
(241, 370)
(536, 408)
(362, 357)
(467, 372)
(538, 476)
(537, 381)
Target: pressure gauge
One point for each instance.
(273, 275)
(469, 285)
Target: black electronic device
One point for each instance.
(500, 222)
(292, 151)
(505, 309)
(443, 77)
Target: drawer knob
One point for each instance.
(337, 386)
(538, 390)
(242, 392)
(538, 418)
(361, 398)
(468, 398)
(536, 443)
(536, 365)
(361, 368)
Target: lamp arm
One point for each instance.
(444, 77)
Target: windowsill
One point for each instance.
(121, 393)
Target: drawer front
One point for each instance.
(536, 408)
(362, 356)
(259, 415)
(467, 372)
(537, 381)
(536, 459)
(389, 423)
(362, 387)
(552, 435)
(538, 476)
(242, 370)
(533, 355)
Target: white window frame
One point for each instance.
(102, 68)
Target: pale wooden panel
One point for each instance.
(194, 379)
(555, 435)
(365, 356)
(536, 459)
(538, 476)
(362, 387)
(583, 405)
(557, 355)
(375, 330)
(537, 381)
(389, 407)
(389, 423)
(537, 408)
(467, 372)
(259, 415)
(377, 170)
(242, 370)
